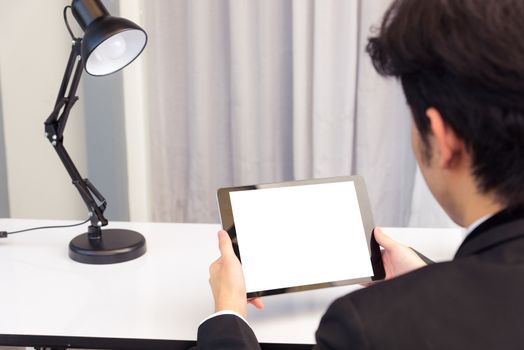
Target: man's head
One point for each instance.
(463, 61)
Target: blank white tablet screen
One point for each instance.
(300, 235)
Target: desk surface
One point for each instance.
(156, 299)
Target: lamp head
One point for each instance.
(109, 43)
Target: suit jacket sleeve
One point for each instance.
(341, 327)
(226, 332)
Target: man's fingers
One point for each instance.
(224, 243)
(256, 302)
(382, 239)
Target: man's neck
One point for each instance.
(478, 207)
(469, 204)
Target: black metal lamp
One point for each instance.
(109, 44)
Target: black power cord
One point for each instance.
(4, 234)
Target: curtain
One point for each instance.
(242, 92)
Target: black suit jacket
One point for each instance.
(475, 301)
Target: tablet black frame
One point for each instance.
(228, 224)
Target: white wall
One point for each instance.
(138, 162)
(4, 200)
(33, 55)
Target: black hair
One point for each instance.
(466, 59)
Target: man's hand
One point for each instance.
(398, 259)
(227, 280)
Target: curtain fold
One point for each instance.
(261, 91)
(335, 56)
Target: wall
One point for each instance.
(35, 48)
(4, 199)
(137, 124)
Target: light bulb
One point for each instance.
(111, 49)
(116, 47)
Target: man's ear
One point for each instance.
(448, 146)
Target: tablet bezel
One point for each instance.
(228, 224)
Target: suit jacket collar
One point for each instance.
(504, 226)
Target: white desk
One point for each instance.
(151, 302)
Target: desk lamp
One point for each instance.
(109, 44)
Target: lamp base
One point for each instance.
(107, 246)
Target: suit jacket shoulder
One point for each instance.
(439, 307)
(472, 302)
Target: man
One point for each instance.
(461, 65)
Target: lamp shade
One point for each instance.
(109, 43)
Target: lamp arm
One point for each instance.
(54, 130)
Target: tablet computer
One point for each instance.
(301, 235)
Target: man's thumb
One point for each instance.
(382, 239)
(224, 243)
